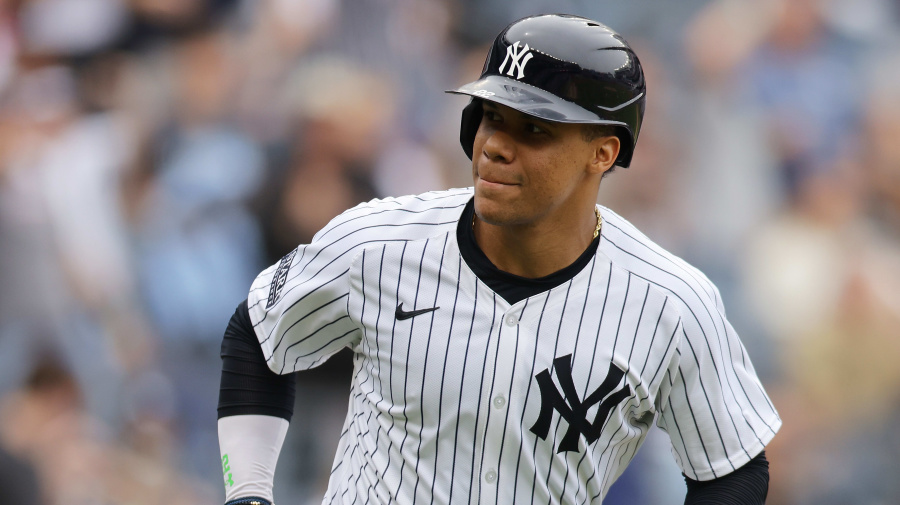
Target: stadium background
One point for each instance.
(156, 154)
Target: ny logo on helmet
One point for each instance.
(517, 59)
(574, 410)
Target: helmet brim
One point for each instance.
(529, 100)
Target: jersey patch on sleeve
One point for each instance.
(280, 278)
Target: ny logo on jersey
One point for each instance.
(571, 408)
(517, 59)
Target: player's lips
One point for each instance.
(495, 182)
(494, 179)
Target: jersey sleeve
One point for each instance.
(298, 306)
(716, 413)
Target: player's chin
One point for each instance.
(495, 209)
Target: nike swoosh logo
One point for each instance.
(402, 314)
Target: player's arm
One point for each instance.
(715, 409)
(255, 407)
(748, 485)
(294, 318)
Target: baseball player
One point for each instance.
(513, 341)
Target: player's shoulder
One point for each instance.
(630, 249)
(400, 215)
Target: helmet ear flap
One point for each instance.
(471, 118)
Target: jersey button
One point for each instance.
(490, 476)
(499, 401)
(511, 320)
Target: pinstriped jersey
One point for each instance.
(459, 396)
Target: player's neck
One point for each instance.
(536, 250)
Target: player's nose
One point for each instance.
(499, 146)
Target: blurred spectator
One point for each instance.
(68, 261)
(730, 178)
(75, 454)
(803, 78)
(835, 281)
(280, 33)
(340, 123)
(198, 245)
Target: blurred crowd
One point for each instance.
(156, 154)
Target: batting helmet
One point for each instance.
(561, 68)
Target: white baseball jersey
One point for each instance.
(459, 396)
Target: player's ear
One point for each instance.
(605, 150)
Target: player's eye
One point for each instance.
(491, 115)
(534, 128)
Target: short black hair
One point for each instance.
(592, 132)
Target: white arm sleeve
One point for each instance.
(250, 445)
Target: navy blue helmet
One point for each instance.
(561, 68)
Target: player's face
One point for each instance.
(527, 170)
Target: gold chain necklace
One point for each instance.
(596, 230)
(599, 221)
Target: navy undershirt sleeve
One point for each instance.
(748, 485)
(248, 386)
